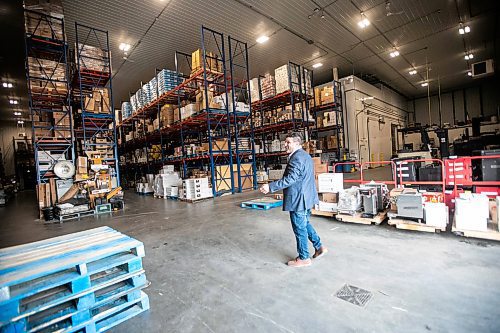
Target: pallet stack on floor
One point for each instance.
(87, 281)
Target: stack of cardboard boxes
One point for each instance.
(98, 101)
(92, 58)
(213, 63)
(323, 95)
(167, 80)
(328, 186)
(44, 75)
(268, 86)
(50, 26)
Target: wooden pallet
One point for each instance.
(72, 216)
(357, 218)
(262, 203)
(321, 213)
(405, 224)
(195, 200)
(59, 282)
(492, 233)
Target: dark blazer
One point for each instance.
(298, 185)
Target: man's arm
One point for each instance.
(294, 174)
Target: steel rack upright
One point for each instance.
(243, 141)
(48, 92)
(94, 76)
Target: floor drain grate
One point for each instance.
(354, 295)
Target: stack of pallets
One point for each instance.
(87, 281)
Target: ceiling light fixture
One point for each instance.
(394, 53)
(469, 73)
(317, 65)
(17, 113)
(463, 29)
(412, 72)
(13, 101)
(20, 121)
(7, 85)
(262, 39)
(469, 56)
(425, 84)
(364, 22)
(124, 47)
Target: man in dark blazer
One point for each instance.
(299, 196)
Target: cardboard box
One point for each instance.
(330, 182)
(329, 197)
(82, 165)
(436, 214)
(218, 145)
(320, 168)
(316, 160)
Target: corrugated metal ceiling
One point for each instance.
(424, 31)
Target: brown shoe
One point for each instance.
(297, 262)
(320, 252)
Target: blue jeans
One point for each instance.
(303, 230)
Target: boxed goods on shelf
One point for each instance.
(329, 118)
(254, 90)
(268, 86)
(47, 26)
(146, 94)
(43, 70)
(276, 174)
(153, 87)
(281, 77)
(92, 58)
(98, 101)
(167, 80)
(126, 110)
(213, 63)
(167, 114)
(53, 7)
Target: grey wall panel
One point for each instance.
(472, 100)
(447, 108)
(459, 105)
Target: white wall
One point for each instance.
(367, 124)
(7, 133)
(459, 105)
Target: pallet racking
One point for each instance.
(217, 127)
(296, 98)
(93, 89)
(48, 92)
(337, 128)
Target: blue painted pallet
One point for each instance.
(38, 276)
(262, 203)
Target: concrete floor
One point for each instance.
(215, 267)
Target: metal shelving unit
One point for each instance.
(93, 76)
(48, 92)
(336, 129)
(219, 129)
(298, 95)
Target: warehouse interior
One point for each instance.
(137, 139)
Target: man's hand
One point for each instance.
(265, 188)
